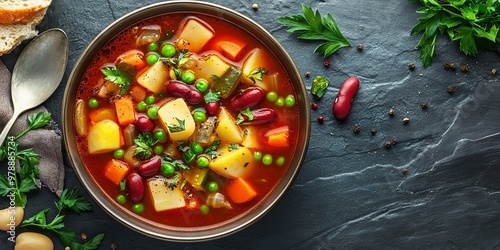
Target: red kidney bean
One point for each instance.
(144, 124)
(136, 187)
(188, 92)
(247, 98)
(150, 167)
(212, 108)
(342, 104)
(262, 115)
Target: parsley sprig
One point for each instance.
(475, 24)
(144, 142)
(313, 26)
(116, 76)
(70, 199)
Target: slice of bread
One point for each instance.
(21, 11)
(11, 35)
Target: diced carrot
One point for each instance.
(116, 171)
(240, 191)
(125, 110)
(133, 58)
(278, 137)
(230, 50)
(138, 93)
(100, 114)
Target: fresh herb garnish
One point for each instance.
(144, 142)
(212, 149)
(178, 164)
(233, 146)
(116, 76)
(123, 185)
(172, 128)
(175, 62)
(215, 78)
(312, 26)
(211, 97)
(72, 200)
(256, 74)
(241, 116)
(473, 23)
(172, 182)
(319, 86)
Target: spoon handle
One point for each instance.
(8, 126)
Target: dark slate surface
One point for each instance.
(351, 192)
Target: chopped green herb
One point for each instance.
(123, 185)
(248, 113)
(177, 128)
(233, 146)
(114, 75)
(214, 77)
(211, 97)
(256, 74)
(144, 143)
(172, 182)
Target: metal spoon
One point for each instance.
(37, 73)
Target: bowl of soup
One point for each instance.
(185, 121)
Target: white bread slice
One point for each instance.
(21, 11)
(11, 35)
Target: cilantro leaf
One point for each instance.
(116, 76)
(89, 245)
(72, 200)
(144, 143)
(256, 74)
(313, 26)
(244, 116)
(211, 97)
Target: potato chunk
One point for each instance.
(165, 198)
(177, 119)
(227, 129)
(210, 67)
(155, 77)
(232, 163)
(194, 36)
(254, 61)
(104, 136)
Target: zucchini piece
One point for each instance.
(196, 177)
(228, 82)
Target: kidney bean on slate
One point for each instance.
(150, 167)
(342, 104)
(188, 92)
(247, 98)
(136, 187)
(260, 116)
(144, 124)
(212, 108)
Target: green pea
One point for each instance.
(153, 112)
(168, 50)
(93, 103)
(280, 161)
(150, 99)
(267, 159)
(158, 149)
(152, 58)
(280, 102)
(213, 187)
(121, 199)
(142, 106)
(271, 96)
(204, 209)
(202, 162)
(153, 47)
(199, 116)
(257, 156)
(196, 148)
(188, 77)
(119, 153)
(289, 101)
(167, 169)
(201, 85)
(138, 208)
(160, 135)
(188, 156)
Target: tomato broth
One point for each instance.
(145, 154)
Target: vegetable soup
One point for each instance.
(186, 120)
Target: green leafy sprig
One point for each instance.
(313, 26)
(473, 23)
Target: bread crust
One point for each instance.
(11, 35)
(20, 16)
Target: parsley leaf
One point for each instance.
(211, 97)
(172, 128)
(37, 120)
(70, 199)
(474, 24)
(173, 182)
(144, 143)
(313, 26)
(212, 149)
(256, 74)
(116, 76)
(244, 116)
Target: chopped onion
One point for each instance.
(149, 34)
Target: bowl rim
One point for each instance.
(163, 8)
